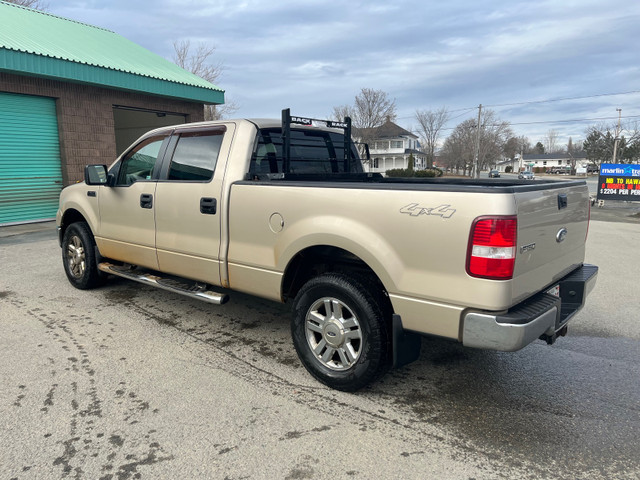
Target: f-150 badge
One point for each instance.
(416, 210)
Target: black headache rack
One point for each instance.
(288, 119)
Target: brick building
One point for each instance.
(73, 94)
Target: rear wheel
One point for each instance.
(79, 257)
(340, 332)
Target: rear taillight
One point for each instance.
(492, 247)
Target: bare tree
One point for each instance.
(198, 62)
(339, 113)
(600, 142)
(458, 151)
(494, 134)
(551, 141)
(371, 109)
(511, 147)
(525, 144)
(430, 126)
(459, 148)
(35, 4)
(578, 146)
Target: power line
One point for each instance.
(531, 102)
(463, 110)
(574, 120)
(578, 120)
(564, 99)
(463, 113)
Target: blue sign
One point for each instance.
(619, 181)
(623, 169)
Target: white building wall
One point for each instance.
(390, 155)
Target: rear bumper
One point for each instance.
(542, 315)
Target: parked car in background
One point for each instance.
(494, 174)
(526, 176)
(566, 170)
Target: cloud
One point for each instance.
(316, 54)
(318, 69)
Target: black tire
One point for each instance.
(80, 257)
(340, 333)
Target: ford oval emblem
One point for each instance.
(561, 235)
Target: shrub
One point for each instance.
(508, 169)
(406, 173)
(427, 173)
(399, 172)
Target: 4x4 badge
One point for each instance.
(415, 210)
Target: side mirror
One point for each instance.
(96, 175)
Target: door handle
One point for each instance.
(146, 200)
(208, 206)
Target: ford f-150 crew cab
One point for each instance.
(282, 209)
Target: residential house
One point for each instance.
(514, 164)
(390, 147)
(552, 161)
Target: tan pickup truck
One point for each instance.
(282, 209)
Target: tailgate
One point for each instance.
(552, 229)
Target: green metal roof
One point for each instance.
(40, 44)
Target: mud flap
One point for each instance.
(406, 344)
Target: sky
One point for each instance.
(310, 55)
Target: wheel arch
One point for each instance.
(71, 215)
(318, 259)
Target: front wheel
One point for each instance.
(79, 257)
(340, 332)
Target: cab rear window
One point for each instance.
(312, 151)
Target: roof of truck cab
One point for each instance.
(258, 122)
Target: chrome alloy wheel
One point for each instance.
(76, 257)
(333, 333)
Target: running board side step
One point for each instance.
(183, 287)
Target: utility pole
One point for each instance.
(476, 170)
(615, 141)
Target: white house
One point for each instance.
(514, 164)
(390, 147)
(552, 161)
(546, 161)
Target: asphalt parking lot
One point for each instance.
(131, 382)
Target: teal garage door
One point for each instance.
(30, 175)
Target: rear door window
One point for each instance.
(195, 155)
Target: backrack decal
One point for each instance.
(415, 210)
